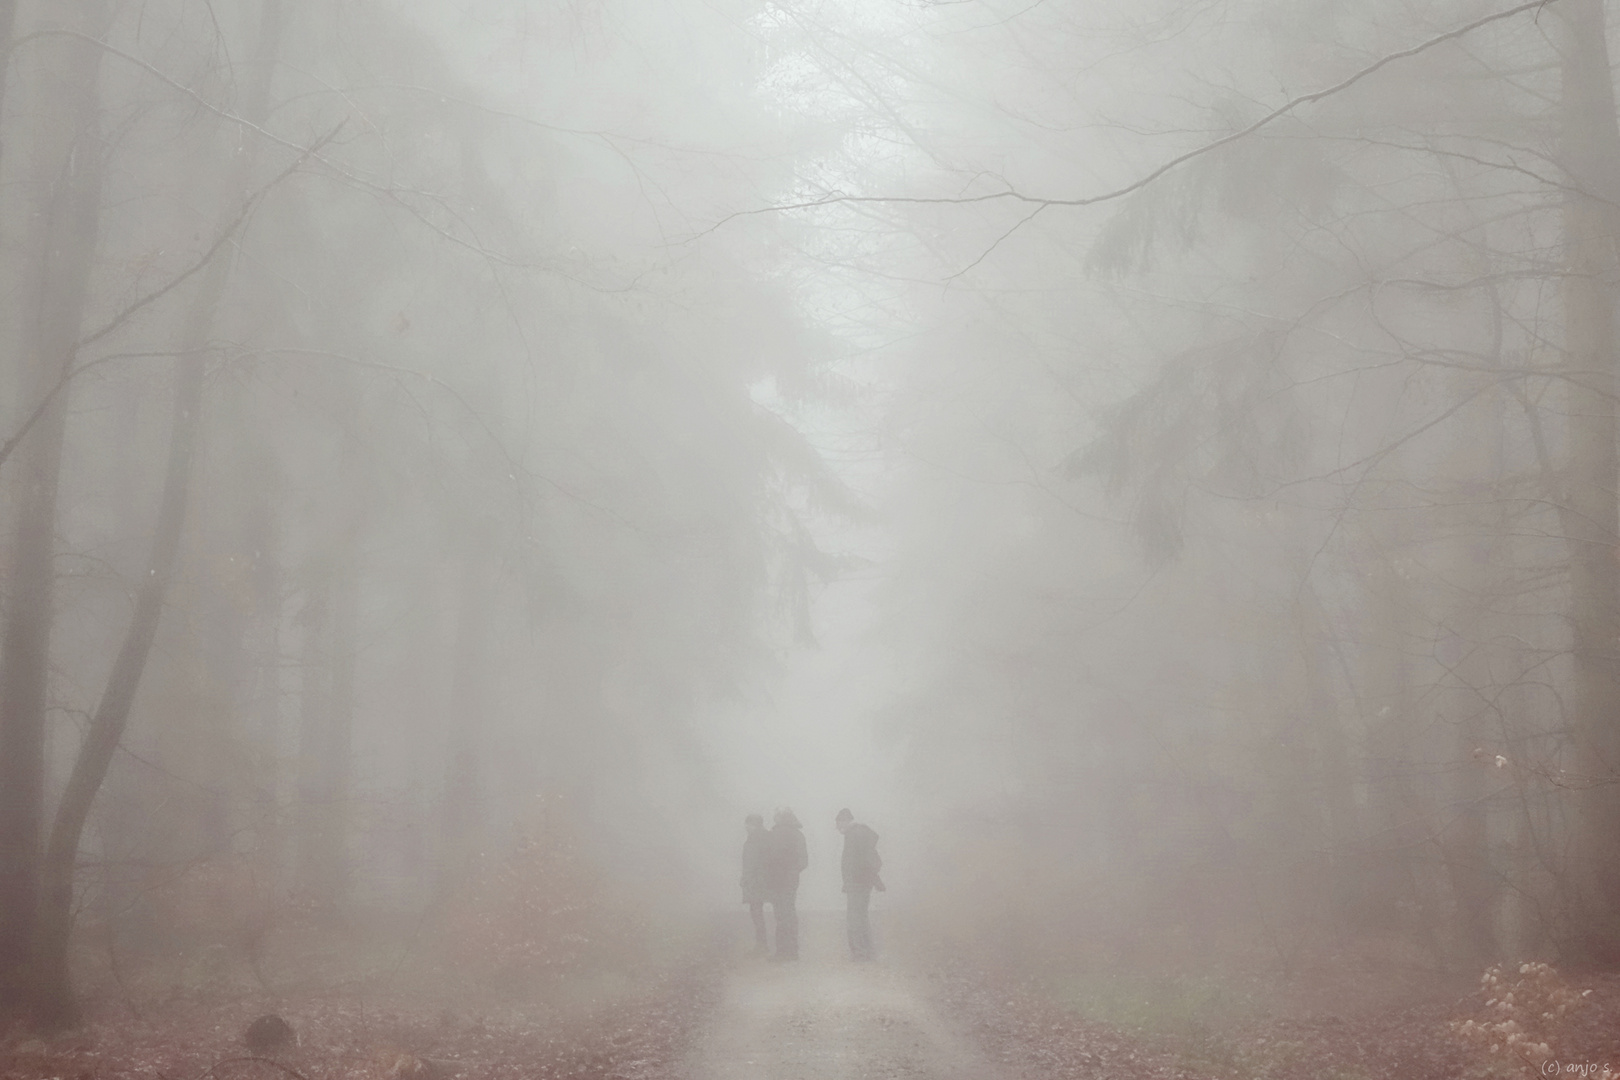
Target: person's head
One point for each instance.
(753, 822)
(785, 817)
(844, 820)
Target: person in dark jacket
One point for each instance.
(755, 853)
(787, 859)
(861, 864)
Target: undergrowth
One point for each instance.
(1522, 1026)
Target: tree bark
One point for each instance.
(265, 693)
(326, 730)
(462, 808)
(1591, 158)
(314, 709)
(53, 987)
(325, 737)
(51, 982)
(68, 171)
(1397, 856)
(334, 879)
(8, 22)
(1340, 825)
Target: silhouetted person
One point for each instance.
(755, 855)
(861, 864)
(787, 860)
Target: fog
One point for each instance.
(1154, 462)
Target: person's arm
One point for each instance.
(874, 862)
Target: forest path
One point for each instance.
(828, 1018)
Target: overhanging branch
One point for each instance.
(71, 371)
(1181, 159)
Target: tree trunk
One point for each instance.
(68, 171)
(325, 737)
(314, 707)
(331, 644)
(462, 809)
(340, 730)
(1397, 856)
(52, 986)
(1340, 826)
(265, 693)
(1591, 157)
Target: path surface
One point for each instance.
(826, 1018)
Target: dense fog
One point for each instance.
(1155, 462)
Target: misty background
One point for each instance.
(1155, 462)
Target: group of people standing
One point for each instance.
(773, 859)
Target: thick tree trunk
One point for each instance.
(1466, 641)
(1466, 650)
(331, 645)
(265, 693)
(1340, 826)
(325, 736)
(1399, 851)
(52, 987)
(26, 648)
(68, 171)
(314, 709)
(1467, 850)
(1591, 158)
(462, 808)
(334, 872)
(8, 22)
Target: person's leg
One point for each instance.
(787, 927)
(782, 920)
(756, 911)
(860, 924)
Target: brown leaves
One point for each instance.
(1532, 1019)
(1037, 1037)
(541, 912)
(639, 1034)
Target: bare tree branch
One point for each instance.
(71, 372)
(1181, 159)
(390, 194)
(514, 467)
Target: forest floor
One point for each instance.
(706, 1013)
(605, 1026)
(1344, 1017)
(1353, 1015)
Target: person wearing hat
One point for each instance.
(786, 861)
(861, 864)
(754, 855)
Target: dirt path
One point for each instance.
(826, 1018)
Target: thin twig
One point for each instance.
(1181, 159)
(71, 372)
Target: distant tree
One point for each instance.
(66, 164)
(393, 350)
(1338, 364)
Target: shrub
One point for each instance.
(1523, 1020)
